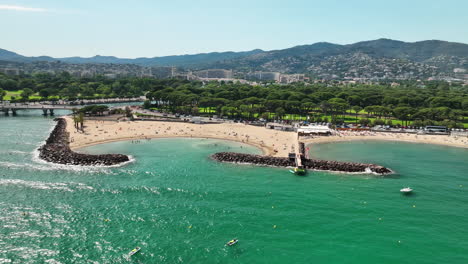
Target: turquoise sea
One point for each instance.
(179, 206)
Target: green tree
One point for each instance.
(128, 112)
(44, 93)
(147, 104)
(9, 85)
(2, 94)
(364, 121)
(356, 110)
(27, 93)
(404, 113)
(280, 112)
(81, 120)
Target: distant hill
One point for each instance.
(6, 55)
(336, 59)
(178, 60)
(382, 58)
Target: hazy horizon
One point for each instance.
(220, 51)
(147, 29)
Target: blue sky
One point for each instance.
(144, 28)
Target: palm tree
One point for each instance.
(357, 109)
(75, 117)
(81, 120)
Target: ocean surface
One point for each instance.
(179, 206)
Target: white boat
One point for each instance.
(134, 251)
(406, 190)
(232, 242)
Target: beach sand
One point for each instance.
(403, 137)
(271, 142)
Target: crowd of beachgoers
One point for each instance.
(273, 142)
(455, 141)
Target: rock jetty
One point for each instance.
(57, 150)
(308, 163)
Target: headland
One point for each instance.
(57, 150)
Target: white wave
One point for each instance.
(16, 152)
(94, 168)
(367, 170)
(69, 187)
(30, 253)
(43, 165)
(33, 233)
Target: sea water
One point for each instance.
(180, 206)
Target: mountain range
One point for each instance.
(177, 60)
(380, 57)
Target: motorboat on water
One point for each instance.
(134, 251)
(298, 171)
(232, 242)
(406, 190)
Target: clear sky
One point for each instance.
(148, 28)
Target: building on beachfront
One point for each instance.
(436, 130)
(314, 130)
(196, 120)
(282, 127)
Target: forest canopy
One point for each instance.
(423, 103)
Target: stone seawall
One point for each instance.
(308, 163)
(57, 150)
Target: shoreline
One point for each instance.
(265, 151)
(271, 142)
(57, 150)
(405, 138)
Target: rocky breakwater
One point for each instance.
(328, 165)
(313, 164)
(57, 150)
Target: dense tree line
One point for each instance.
(65, 86)
(422, 103)
(425, 104)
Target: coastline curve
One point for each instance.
(57, 150)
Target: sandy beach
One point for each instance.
(271, 142)
(403, 137)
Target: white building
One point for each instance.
(314, 130)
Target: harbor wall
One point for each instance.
(312, 164)
(57, 150)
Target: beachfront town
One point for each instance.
(324, 72)
(234, 132)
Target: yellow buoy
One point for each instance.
(274, 226)
(189, 226)
(380, 219)
(414, 205)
